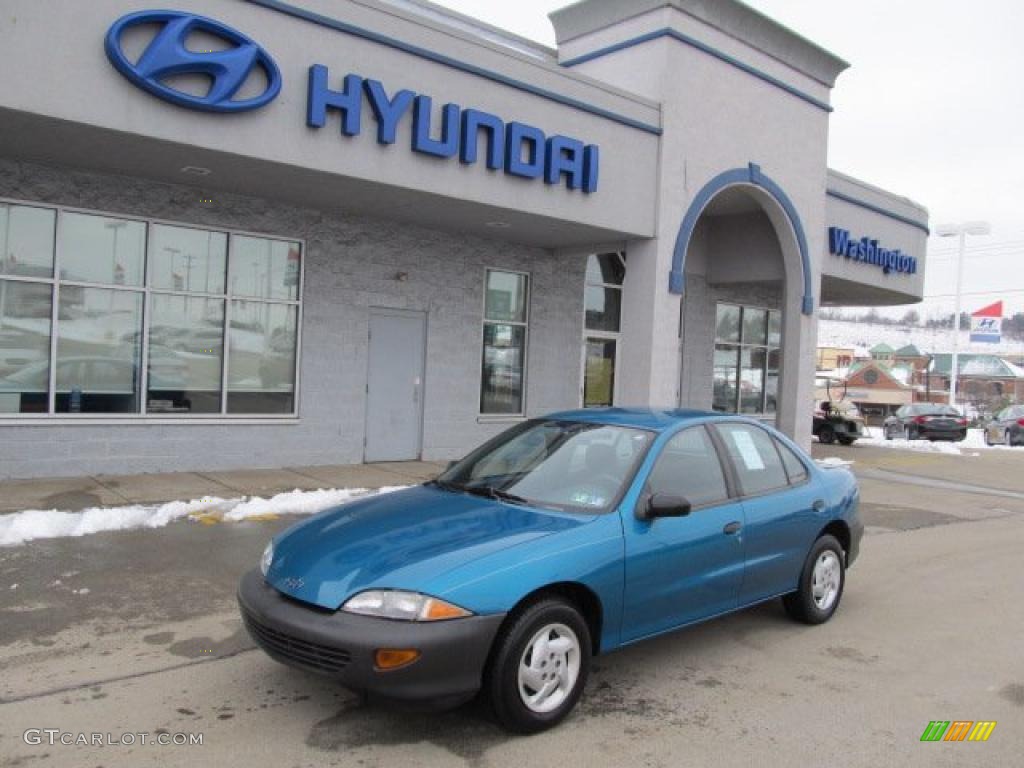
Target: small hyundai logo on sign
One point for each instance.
(167, 56)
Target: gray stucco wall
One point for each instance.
(351, 263)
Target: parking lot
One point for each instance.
(136, 632)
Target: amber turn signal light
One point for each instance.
(393, 658)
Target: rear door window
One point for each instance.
(795, 468)
(753, 453)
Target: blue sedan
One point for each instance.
(564, 537)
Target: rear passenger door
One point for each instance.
(780, 500)
(681, 569)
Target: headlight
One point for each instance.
(407, 606)
(268, 556)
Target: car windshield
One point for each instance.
(566, 465)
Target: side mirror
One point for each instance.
(663, 505)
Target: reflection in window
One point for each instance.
(98, 350)
(599, 373)
(183, 259)
(25, 310)
(506, 297)
(602, 304)
(99, 249)
(26, 240)
(689, 467)
(264, 269)
(746, 369)
(186, 350)
(501, 389)
(261, 357)
(112, 273)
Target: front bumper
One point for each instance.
(342, 645)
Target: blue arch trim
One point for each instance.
(749, 175)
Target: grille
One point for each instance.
(313, 656)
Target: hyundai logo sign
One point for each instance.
(167, 56)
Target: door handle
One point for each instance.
(819, 505)
(732, 527)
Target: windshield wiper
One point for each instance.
(495, 493)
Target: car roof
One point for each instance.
(657, 419)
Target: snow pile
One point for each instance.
(19, 527)
(833, 461)
(974, 442)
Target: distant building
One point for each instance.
(986, 382)
(831, 358)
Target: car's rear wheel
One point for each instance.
(908, 434)
(826, 435)
(887, 431)
(539, 666)
(1008, 438)
(846, 440)
(821, 583)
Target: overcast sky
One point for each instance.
(931, 108)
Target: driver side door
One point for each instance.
(682, 569)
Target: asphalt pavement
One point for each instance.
(135, 632)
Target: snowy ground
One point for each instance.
(974, 443)
(19, 527)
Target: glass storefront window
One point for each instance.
(602, 306)
(602, 313)
(725, 376)
(262, 347)
(746, 374)
(264, 269)
(132, 288)
(25, 311)
(727, 323)
(599, 373)
(182, 259)
(99, 350)
(26, 238)
(605, 269)
(506, 297)
(186, 351)
(501, 389)
(100, 249)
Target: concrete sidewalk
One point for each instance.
(76, 493)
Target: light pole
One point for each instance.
(959, 231)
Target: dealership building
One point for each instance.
(258, 233)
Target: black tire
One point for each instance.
(844, 440)
(887, 432)
(800, 605)
(988, 440)
(826, 435)
(501, 678)
(910, 434)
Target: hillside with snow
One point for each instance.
(863, 336)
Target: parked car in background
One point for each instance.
(837, 421)
(926, 421)
(565, 536)
(1006, 427)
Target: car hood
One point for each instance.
(400, 540)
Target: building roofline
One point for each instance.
(731, 17)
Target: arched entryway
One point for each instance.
(742, 265)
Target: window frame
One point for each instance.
(740, 346)
(525, 324)
(603, 335)
(143, 416)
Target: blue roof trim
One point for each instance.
(439, 58)
(720, 55)
(877, 209)
(751, 175)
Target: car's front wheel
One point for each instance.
(821, 583)
(826, 435)
(539, 666)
